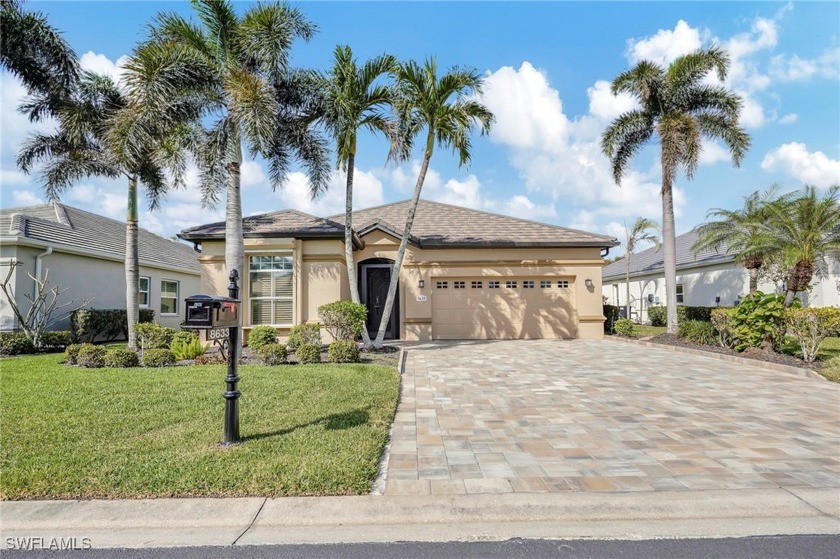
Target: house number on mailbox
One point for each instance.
(218, 334)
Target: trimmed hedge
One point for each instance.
(612, 313)
(57, 340)
(71, 353)
(87, 325)
(260, 336)
(343, 351)
(273, 354)
(121, 358)
(15, 343)
(154, 336)
(91, 356)
(343, 319)
(308, 353)
(658, 316)
(625, 327)
(305, 334)
(158, 358)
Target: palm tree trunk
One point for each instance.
(627, 258)
(409, 221)
(348, 242)
(132, 265)
(753, 272)
(234, 240)
(669, 246)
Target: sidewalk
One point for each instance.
(255, 521)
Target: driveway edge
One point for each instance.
(378, 485)
(776, 367)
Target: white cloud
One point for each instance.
(606, 106)
(666, 45)
(521, 206)
(13, 177)
(25, 198)
(253, 175)
(533, 114)
(793, 68)
(794, 159)
(14, 125)
(712, 153)
(789, 118)
(367, 192)
(101, 64)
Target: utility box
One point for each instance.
(211, 311)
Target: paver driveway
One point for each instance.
(586, 415)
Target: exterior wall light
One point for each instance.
(589, 283)
(421, 284)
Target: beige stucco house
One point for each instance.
(467, 274)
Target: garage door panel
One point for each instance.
(503, 312)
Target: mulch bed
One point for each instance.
(751, 353)
(387, 356)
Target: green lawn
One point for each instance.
(829, 348)
(644, 330)
(68, 432)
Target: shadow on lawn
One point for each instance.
(332, 422)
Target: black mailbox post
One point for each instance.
(214, 313)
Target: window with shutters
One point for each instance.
(271, 290)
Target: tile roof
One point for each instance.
(66, 226)
(283, 223)
(650, 261)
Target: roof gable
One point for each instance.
(61, 225)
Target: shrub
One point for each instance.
(305, 334)
(343, 351)
(759, 321)
(261, 336)
(308, 353)
(87, 325)
(611, 313)
(121, 358)
(658, 315)
(697, 332)
(15, 343)
(625, 327)
(91, 356)
(831, 369)
(343, 319)
(189, 349)
(154, 336)
(71, 353)
(703, 314)
(184, 336)
(57, 340)
(810, 327)
(158, 358)
(722, 323)
(274, 354)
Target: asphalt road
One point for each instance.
(759, 547)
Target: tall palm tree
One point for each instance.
(35, 52)
(81, 147)
(681, 109)
(804, 232)
(444, 106)
(643, 231)
(355, 98)
(741, 231)
(234, 69)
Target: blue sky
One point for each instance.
(548, 66)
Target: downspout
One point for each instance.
(38, 268)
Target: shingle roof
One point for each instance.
(284, 223)
(651, 260)
(66, 226)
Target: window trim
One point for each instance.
(148, 292)
(177, 296)
(680, 292)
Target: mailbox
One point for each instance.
(209, 311)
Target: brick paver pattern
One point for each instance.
(601, 415)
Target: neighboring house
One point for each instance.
(701, 279)
(467, 274)
(85, 253)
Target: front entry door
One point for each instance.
(375, 281)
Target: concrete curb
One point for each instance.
(378, 485)
(300, 520)
(798, 371)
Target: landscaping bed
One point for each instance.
(76, 433)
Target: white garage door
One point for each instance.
(485, 308)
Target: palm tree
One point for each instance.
(741, 231)
(355, 100)
(678, 106)
(35, 52)
(236, 72)
(803, 232)
(82, 147)
(445, 107)
(643, 231)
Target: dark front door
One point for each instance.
(376, 278)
